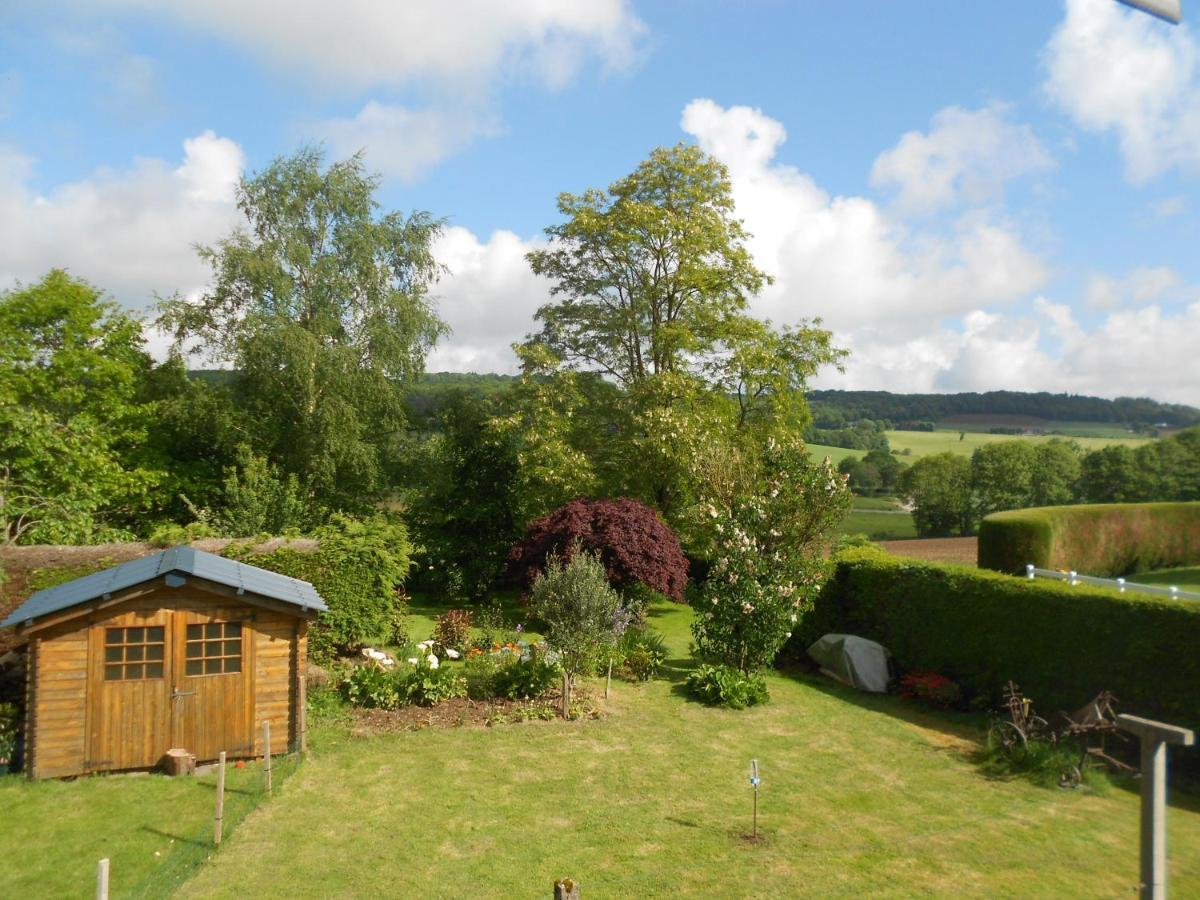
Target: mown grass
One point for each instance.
(860, 795)
(878, 525)
(926, 443)
(836, 454)
(55, 832)
(1186, 579)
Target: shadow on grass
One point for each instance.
(178, 838)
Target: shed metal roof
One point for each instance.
(181, 560)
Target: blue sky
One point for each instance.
(972, 195)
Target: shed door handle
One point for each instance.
(175, 694)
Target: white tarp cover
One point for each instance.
(856, 661)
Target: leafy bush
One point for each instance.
(10, 728)
(642, 652)
(425, 685)
(372, 687)
(1046, 763)
(358, 568)
(727, 686)
(526, 678)
(171, 534)
(1062, 644)
(632, 543)
(453, 629)
(479, 671)
(1101, 539)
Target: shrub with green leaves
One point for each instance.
(642, 652)
(371, 687)
(358, 568)
(425, 685)
(727, 686)
(578, 606)
(453, 629)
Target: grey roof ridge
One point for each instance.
(182, 559)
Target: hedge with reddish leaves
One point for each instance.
(633, 543)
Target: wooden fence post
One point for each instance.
(102, 880)
(219, 813)
(267, 753)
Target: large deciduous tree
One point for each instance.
(939, 487)
(73, 421)
(321, 304)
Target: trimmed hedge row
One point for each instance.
(1061, 644)
(1105, 540)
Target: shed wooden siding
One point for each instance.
(60, 660)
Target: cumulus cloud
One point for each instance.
(130, 232)
(488, 298)
(365, 43)
(1123, 72)
(402, 142)
(965, 158)
(846, 258)
(1140, 286)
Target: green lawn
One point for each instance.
(879, 518)
(152, 828)
(860, 795)
(926, 443)
(1187, 579)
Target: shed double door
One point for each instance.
(170, 678)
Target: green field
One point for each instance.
(915, 444)
(879, 518)
(836, 454)
(1186, 579)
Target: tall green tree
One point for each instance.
(73, 418)
(1056, 470)
(939, 487)
(652, 281)
(1002, 475)
(321, 304)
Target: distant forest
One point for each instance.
(835, 409)
(840, 409)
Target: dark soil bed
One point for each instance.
(461, 713)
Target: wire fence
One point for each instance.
(242, 796)
(1119, 584)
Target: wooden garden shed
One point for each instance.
(179, 649)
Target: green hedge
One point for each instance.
(1061, 644)
(358, 568)
(1105, 540)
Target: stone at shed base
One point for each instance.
(179, 762)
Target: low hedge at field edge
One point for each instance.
(1061, 644)
(1102, 539)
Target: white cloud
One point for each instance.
(1115, 70)
(846, 258)
(368, 43)
(1170, 207)
(965, 158)
(1140, 286)
(488, 299)
(402, 142)
(1143, 352)
(129, 232)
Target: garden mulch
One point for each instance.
(962, 551)
(463, 712)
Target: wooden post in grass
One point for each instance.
(566, 889)
(267, 754)
(219, 813)
(608, 679)
(102, 880)
(1155, 738)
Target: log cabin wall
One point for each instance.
(66, 669)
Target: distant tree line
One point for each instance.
(835, 409)
(951, 493)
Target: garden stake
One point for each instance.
(754, 782)
(608, 680)
(102, 880)
(267, 754)
(219, 814)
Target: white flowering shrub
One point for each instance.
(766, 566)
